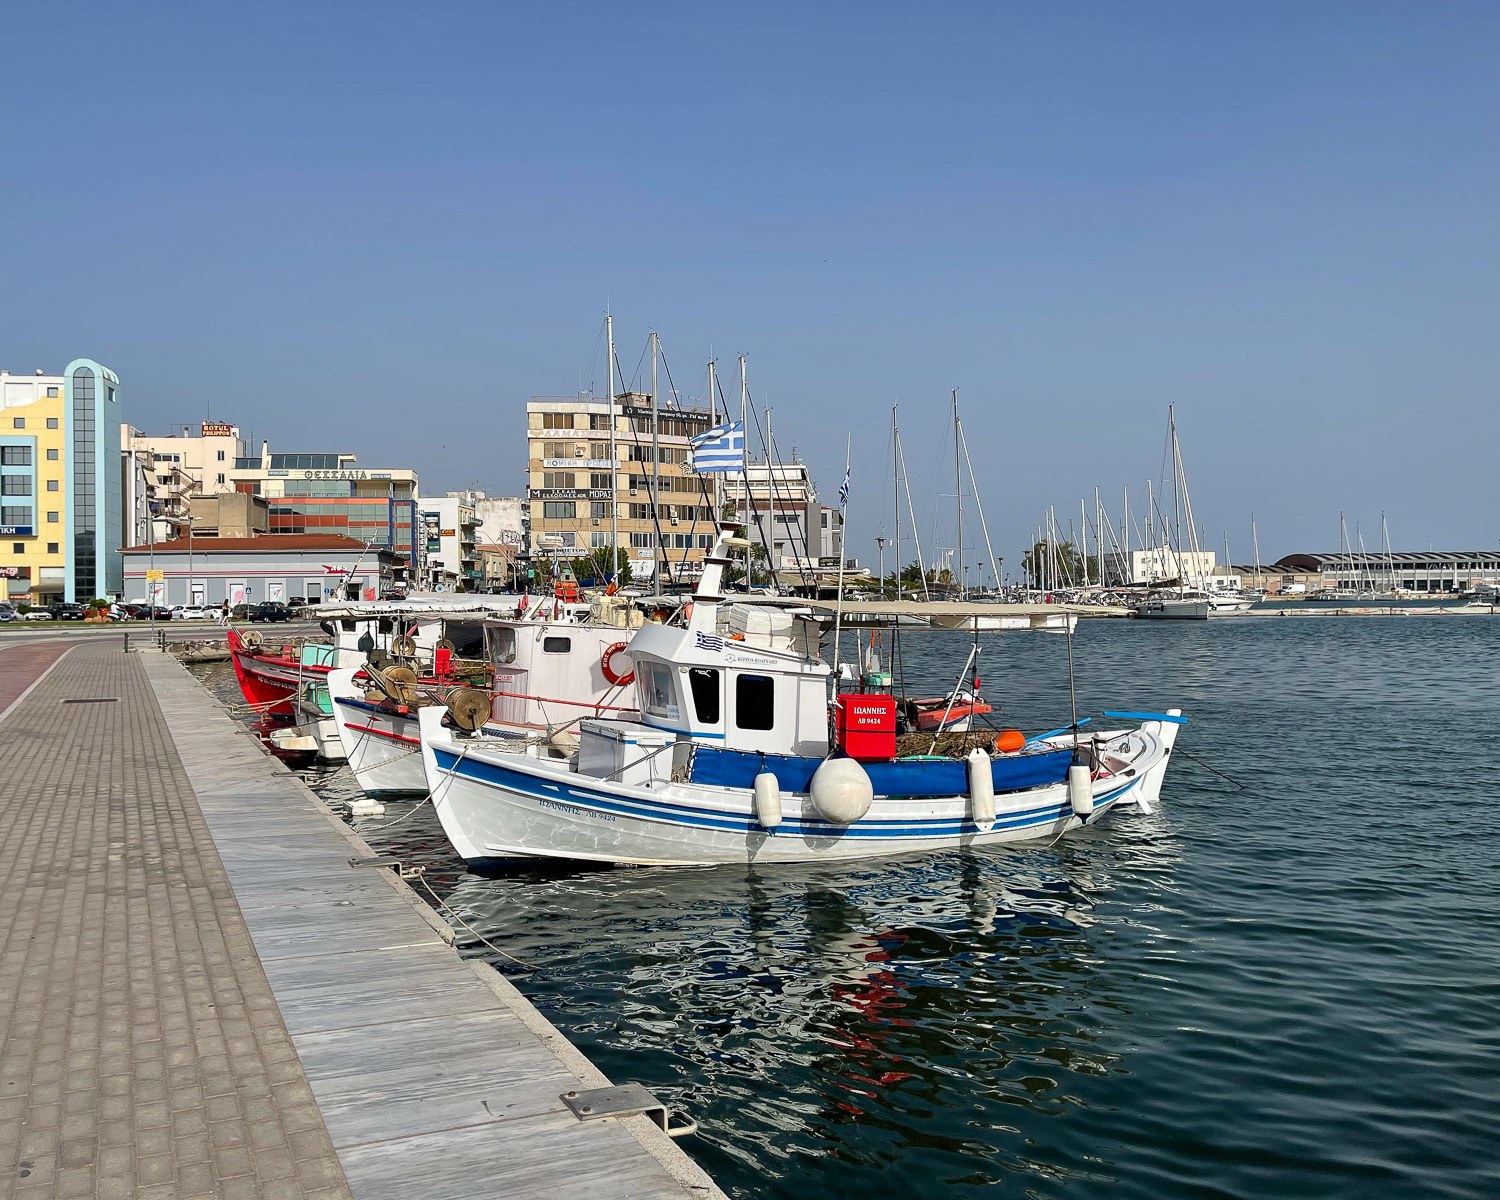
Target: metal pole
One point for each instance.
(661, 551)
(614, 457)
(958, 489)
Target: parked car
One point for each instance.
(191, 612)
(297, 602)
(270, 610)
(62, 611)
(7, 612)
(240, 612)
(37, 614)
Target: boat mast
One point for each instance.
(979, 505)
(1255, 540)
(1390, 562)
(958, 488)
(745, 471)
(614, 456)
(1176, 497)
(661, 551)
(1083, 525)
(896, 498)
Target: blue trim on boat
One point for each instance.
(1145, 716)
(526, 784)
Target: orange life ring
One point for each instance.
(610, 673)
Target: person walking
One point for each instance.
(224, 614)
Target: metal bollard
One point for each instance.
(127, 641)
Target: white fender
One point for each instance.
(1080, 791)
(981, 790)
(767, 800)
(840, 791)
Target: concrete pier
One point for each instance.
(199, 996)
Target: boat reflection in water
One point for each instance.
(824, 1023)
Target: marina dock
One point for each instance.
(201, 996)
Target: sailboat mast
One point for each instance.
(1083, 525)
(1176, 497)
(614, 455)
(745, 473)
(896, 497)
(1255, 541)
(958, 488)
(660, 553)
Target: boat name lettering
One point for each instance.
(574, 811)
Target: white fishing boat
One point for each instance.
(544, 672)
(730, 761)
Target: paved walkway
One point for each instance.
(141, 1050)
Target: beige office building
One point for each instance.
(580, 493)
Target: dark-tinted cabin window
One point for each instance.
(704, 682)
(556, 645)
(467, 638)
(385, 624)
(754, 702)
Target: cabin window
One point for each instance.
(754, 702)
(385, 624)
(467, 638)
(704, 683)
(503, 645)
(347, 625)
(556, 645)
(657, 696)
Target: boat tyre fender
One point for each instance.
(607, 665)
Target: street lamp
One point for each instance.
(880, 541)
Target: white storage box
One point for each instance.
(624, 751)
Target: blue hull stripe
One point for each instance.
(529, 785)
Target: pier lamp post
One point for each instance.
(880, 542)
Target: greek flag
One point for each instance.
(709, 641)
(844, 491)
(720, 449)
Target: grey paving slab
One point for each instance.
(432, 1076)
(141, 1050)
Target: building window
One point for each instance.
(557, 420)
(52, 485)
(15, 514)
(51, 395)
(599, 421)
(52, 454)
(559, 509)
(599, 509)
(51, 421)
(54, 547)
(18, 547)
(221, 475)
(599, 540)
(15, 456)
(754, 697)
(221, 459)
(18, 422)
(558, 479)
(602, 479)
(15, 485)
(51, 518)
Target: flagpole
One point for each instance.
(838, 610)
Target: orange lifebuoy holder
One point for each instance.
(606, 664)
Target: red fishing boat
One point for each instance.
(270, 677)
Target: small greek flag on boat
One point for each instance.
(844, 491)
(720, 449)
(708, 641)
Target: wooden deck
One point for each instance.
(435, 1077)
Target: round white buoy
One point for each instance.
(767, 800)
(1080, 791)
(840, 791)
(981, 790)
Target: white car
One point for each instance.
(190, 612)
(36, 614)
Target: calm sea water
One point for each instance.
(1282, 984)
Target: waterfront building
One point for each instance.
(499, 567)
(1424, 571)
(451, 559)
(187, 464)
(310, 568)
(314, 493)
(580, 494)
(778, 507)
(1159, 563)
(61, 485)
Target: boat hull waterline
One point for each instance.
(495, 804)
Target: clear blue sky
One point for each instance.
(380, 228)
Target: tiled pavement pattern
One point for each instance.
(141, 1051)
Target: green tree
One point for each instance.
(1060, 565)
(595, 565)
